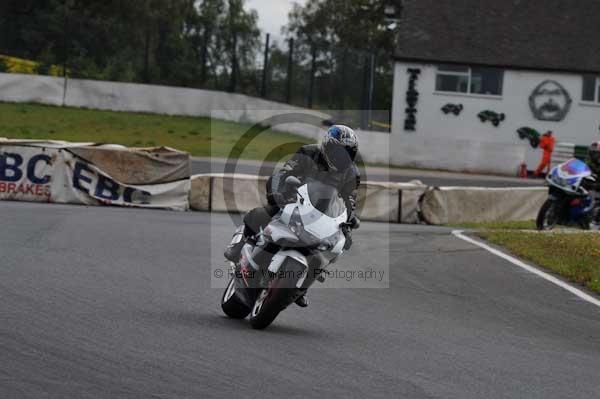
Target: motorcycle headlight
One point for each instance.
(574, 183)
(325, 247)
(297, 227)
(296, 224)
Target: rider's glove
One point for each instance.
(281, 199)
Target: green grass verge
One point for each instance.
(528, 225)
(575, 256)
(191, 134)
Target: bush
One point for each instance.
(3, 65)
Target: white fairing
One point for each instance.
(281, 256)
(560, 177)
(320, 228)
(280, 231)
(566, 175)
(315, 222)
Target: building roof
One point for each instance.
(561, 35)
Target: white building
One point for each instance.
(532, 63)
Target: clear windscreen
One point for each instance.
(325, 198)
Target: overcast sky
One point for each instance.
(273, 14)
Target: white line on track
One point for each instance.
(531, 269)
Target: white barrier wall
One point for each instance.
(18, 88)
(463, 142)
(455, 205)
(117, 96)
(385, 202)
(378, 202)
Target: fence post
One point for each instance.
(364, 103)
(290, 73)
(371, 91)
(341, 95)
(313, 71)
(263, 89)
(234, 44)
(65, 60)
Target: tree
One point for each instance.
(242, 42)
(341, 36)
(207, 26)
(175, 42)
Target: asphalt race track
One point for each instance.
(116, 303)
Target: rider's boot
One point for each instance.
(234, 249)
(302, 301)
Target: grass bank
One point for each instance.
(198, 136)
(575, 256)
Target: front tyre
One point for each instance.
(268, 305)
(547, 218)
(271, 301)
(231, 304)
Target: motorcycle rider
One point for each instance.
(593, 161)
(331, 162)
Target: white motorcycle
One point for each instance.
(290, 254)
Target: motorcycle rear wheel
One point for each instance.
(232, 306)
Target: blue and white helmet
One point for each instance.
(339, 147)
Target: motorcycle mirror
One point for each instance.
(293, 181)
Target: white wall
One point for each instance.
(33, 89)
(172, 101)
(150, 98)
(463, 143)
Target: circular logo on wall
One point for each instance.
(550, 101)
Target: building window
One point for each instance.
(463, 79)
(591, 88)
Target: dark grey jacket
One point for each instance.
(309, 162)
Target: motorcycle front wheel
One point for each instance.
(272, 300)
(547, 217)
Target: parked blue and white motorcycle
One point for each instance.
(569, 202)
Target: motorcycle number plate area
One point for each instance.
(281, 256)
